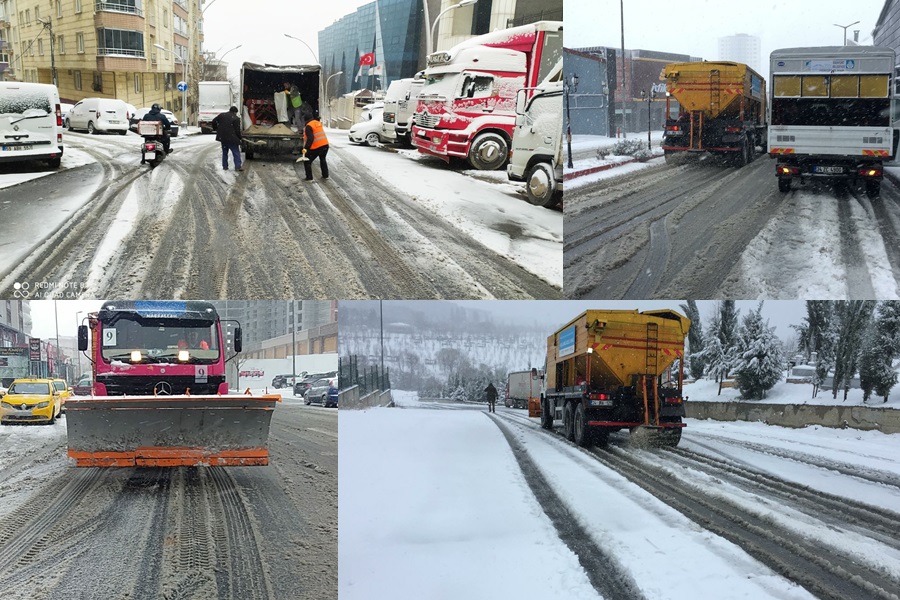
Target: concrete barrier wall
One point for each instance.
(351, 399)
(885, 420)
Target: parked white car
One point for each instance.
(370, 130)
(30, 125)
(96, 115)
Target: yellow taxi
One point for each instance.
(30, 400)
(65, 392)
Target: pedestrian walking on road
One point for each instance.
(228, 132)
(316, 146)
(491, 393)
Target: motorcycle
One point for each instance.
(152, 149)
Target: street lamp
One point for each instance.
(184, 93)
(844, 27)
(49, 27)
(328, 104)
(570, 86)
(433, 31)
(305, 44)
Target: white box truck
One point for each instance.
(215, 98)
(399, 106)
(831, 114)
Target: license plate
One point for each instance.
(828, 170)
(150, 155)
(14, 147)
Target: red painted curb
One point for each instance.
(581, 173)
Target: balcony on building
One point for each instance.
(119, 14)
(119, 49)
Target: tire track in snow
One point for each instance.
(611, 580)
(830, 577)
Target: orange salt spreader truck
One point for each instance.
(159, 394)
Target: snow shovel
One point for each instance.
(169, 431)
(302, 157)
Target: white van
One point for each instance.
(95, 115)
(30, 123)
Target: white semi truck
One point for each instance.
(399, 106)
(536, 153)
(832, 114)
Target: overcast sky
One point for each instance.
(43, 316)
(259, 28)
(694, 26)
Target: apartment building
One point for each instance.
(134, 50)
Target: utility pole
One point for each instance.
(622, 20)
(49, 27)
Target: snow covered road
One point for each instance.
(438, 500)
(705, 230)
(217, 532)
(188, 229)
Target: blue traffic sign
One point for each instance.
(182, 86)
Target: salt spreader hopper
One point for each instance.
(159, 392)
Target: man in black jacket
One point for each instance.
(155, 114)
(228, 131)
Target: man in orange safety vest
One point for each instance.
(316, 146)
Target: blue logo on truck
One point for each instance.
(567, 341)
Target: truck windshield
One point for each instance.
(159, 340)
(442, 84)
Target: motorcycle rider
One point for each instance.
(155, 114)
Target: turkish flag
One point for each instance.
(367, 59)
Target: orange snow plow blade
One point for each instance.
(169, 431)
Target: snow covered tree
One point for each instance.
(818, 335)
(459, 394)
(728, 324)
(759, 362)
(695, 362)
(852, 318)
(880, 347)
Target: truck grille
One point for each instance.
(426, 120)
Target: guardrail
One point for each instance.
(886, 420)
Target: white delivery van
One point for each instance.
(96, 115)
(30, 123)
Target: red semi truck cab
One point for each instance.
(466, 109)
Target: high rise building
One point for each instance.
(742, 48)
(266, 319)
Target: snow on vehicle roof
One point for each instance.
(834, 51)
(282, 68)
(472, 58)
(522, 36)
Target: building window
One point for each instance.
(77, 6)
(97, 84)
(61, 44)
(58, 8)
(156, 81)
(37, 13)
(41, 47)
(126, 6)
(79, 40)
(165, 18)
(77, 80)
(137, 82)
(120, 41)
(28, 16)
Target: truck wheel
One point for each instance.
(583, 435)
(873, 188)
(743, 158)
(784, 184)
(540, 185)
(91, 129)
(546, 417)
(488, 152)
(568, 422)
(669, 437)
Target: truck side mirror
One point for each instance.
(238, 339)
(82, 338)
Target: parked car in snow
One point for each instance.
(169, 115)
(64, 109)
(96, 115)
(324, 391)
(280, 381)
(370, 130)
(304, 384)
(30, 128)
(83, 387)
(65, 392)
